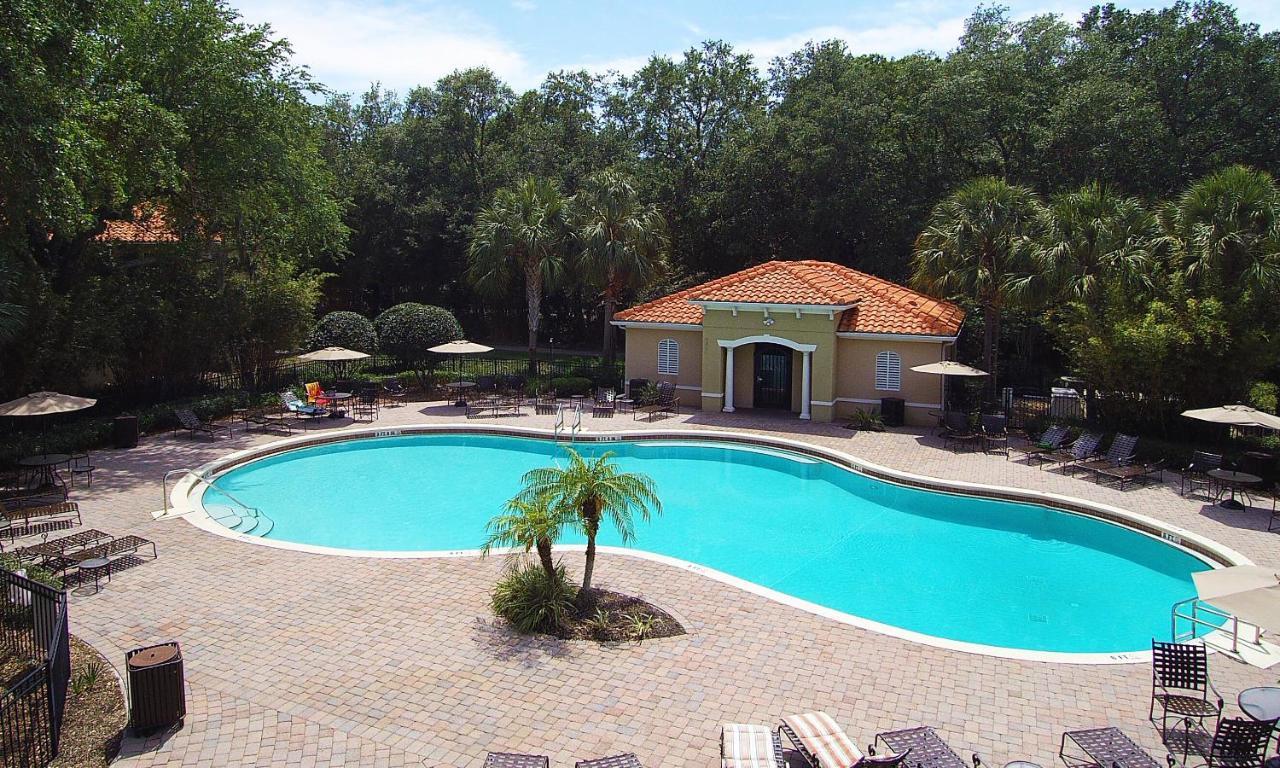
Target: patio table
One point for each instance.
(460, 389)
(337, 401)
(45, 466)
(1233, 481)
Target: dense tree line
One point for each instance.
(828, 155)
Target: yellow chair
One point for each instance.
(315, 394)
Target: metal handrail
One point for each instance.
(577, 421)
(1197, 607)
(555, 433)
(253, 511)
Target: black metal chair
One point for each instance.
(604, 405)
(82, 465)
(957, 431)
(1180, 684)
(1235, 743)
(995, 432)
(366, 404)
(393, 390)
(486, 384)
(1196, 475)
(545, 404)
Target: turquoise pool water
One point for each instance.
(975, 570)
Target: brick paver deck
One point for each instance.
(296, 659)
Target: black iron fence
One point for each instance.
(33, 629)
(1027, 408)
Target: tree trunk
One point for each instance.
(991, 344)
(610, 306)
(533, 301)
(591, 526)
(544, 557)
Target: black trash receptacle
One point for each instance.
(893, 411)
(157, 688)
(124, 431)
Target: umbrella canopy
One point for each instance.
(333, 355)
(1248, 592)
(1236, 415)
(460, 347)
(45, 404)
(949, 368)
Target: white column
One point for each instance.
(728, 380)
(805, 394)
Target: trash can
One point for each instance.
(124, 431)
(893, 411)
(157, 689)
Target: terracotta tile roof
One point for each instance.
(879, 306)
(147, 225)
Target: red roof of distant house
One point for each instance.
(874, 305)
(147, 225)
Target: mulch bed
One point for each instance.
(95, 715)
(615, 617)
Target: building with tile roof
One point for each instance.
(812, 337)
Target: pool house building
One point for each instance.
(811, 337)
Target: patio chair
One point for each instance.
(1122, 451)
(27, 516)
(1051, 440)
(486, 384)
(927, 748)
(625, 760)
(957, 432)
(1125, 472)
(545, 404)
(315, 394)
(112, 551)
(188, 420)
(515, 760)
(1235, 743)
(994, 432)
(667, 403)
(1180, 683)
(604, 405)
(1081, 450)
(750, 746)
(293, 404)
(393, 391)
(53, 548)
(1196, 475)
(821, 743)
(366, 405)
(82, 466)
(1274, 493)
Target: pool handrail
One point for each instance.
(253, 512)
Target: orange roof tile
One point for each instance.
(879, 306)
(147, 225)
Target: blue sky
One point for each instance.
(349, 43)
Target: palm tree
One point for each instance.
(623, 241)
(1093, 237)
(531, 523)
(977, 245)
(523, 232)
(593, 490)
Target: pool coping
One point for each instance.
(184, 502)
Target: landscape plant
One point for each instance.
(351, 330)
(408, 331)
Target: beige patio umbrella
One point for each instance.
(45, 404)
(1237, 415)
(1248, 592)
(460, 347)
(333, 355)
(945, 368)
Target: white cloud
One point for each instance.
(891, 40)
(347, 44)
(524, 5)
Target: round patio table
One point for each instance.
(339, 400)
(1261, 703)
(460, 387)
(44, 466)
(94, 567)
(1233, 480)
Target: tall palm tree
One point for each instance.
(1093, 236)
(524, 232)
(623, 241)
(594, 490)
(530, 523)
(977, 244)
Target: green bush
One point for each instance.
(1264, 395)
(648, 395)
(867, 421)
(532, 602)
(407, 331)
(571, 385)
(344, 329)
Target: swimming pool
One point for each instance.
(965, 569)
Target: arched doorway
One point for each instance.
(772, 377)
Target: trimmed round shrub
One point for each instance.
(531, 601)
(571, 385)
(406, 331)
(344, 329)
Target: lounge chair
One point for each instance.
(392, 390)
(1180, 684)
(111, 550)
(927, 748)
(625, 760)
(293, 404)
(545, 404)
(1235, 743)
(59, 547)
(1051, 440)
(188, 420)
(515, 760)
(667, 403)
(605, 404)
(1084, 448)
(824, 744)
(1122, 451)
(750, 746)
(1196, 475)
(63, 510)
(1125, 471)
(1107, 747)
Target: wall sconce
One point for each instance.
(768, 321)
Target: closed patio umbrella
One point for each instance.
(1248, 592)
(1237, 415)
(460, 347)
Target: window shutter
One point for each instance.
(888, 371)
(668, 357)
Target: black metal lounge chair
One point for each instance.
(1081, 450)
(515, 760)
(62, 510)
(605, 404)
(188, 420)
(750, 746)
(625, 760)
(1196, 475)
(957, 432)
(1122, 451)
(927, 748)
(667, 403)
(111, 550)
(1180, 683)
(1051, 440)
(1106, 747)
(1235, 743)
(59, 547)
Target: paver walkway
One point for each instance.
(297, 659)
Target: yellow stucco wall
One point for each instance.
(641, 361)
(856, 376)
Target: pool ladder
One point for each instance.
(249, 520)
(575, 427)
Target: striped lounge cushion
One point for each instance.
(747, 746)
(825, 740)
